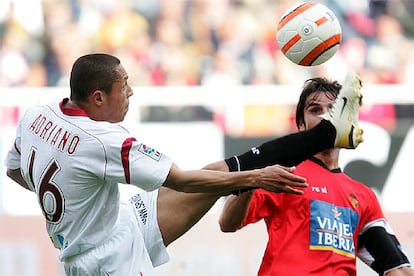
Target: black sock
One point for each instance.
(288, 150)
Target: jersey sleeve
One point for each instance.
(136, 163)
(260, 207)
(372, 210)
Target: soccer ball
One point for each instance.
(309, 34)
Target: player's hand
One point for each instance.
(281, 179)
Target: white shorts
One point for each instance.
(135, 246)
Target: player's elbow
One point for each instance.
(11, 173)
(217, 166)
(8, 172)
(228, 227)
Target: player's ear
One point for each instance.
(98, 97)
(302, 126)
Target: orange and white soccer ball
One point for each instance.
(309, 34)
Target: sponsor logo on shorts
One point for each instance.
(332, 228)
(62, 241)
(150, 152)
(140, 207)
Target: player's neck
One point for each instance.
(329, 158)
(77, 105)
(71, 104)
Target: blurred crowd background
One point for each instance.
(201, 42)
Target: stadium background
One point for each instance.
(209, 82)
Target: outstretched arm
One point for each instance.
(272, 178)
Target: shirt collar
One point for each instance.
(71, 111)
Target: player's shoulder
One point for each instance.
(359, 186)
(353, 181)
(106, 130)
(36, 110)
(109, 135)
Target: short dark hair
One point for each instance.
(331, 88)
(91, 72)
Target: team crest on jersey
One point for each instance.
(354, 201)
(332, 228)
(150, 152)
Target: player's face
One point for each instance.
(118, 99)
(316, 104)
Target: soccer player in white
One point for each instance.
(74, 153)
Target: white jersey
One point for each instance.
(74, 164)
